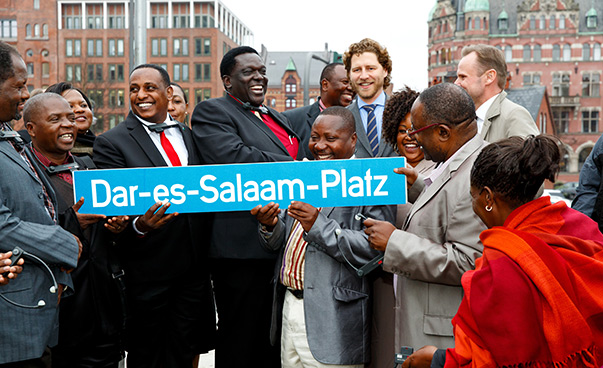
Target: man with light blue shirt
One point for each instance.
(369, 69)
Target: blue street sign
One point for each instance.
(240, 187)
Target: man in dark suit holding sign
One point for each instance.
(238, 128)
(172, 314)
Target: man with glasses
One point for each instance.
(439, 240)
(482, 72)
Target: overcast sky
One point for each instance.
(399, 25)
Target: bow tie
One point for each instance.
(158, 128)
(262, 109)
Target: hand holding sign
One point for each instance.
(267, 215)
(85, 219)
(410, 172)
(117, 224)
(378, 233)
(305, 213)
(155, 217)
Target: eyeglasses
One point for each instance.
(404, 131)
(415, 131)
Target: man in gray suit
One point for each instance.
(369, 68)
(482, 72)
(323, 304)
(440, 237)
(335, 90)
(28, 219)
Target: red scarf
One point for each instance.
(535, 298)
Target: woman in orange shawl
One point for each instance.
(535, 298)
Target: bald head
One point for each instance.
(38, 104)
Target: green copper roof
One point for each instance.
(435, 6)
(503, 15)
(290, 65)
(591, 12)
(477, 5)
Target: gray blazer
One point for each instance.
(24, 222)
(336, 299)
(363, 147)
(505, 119)
(440, 241)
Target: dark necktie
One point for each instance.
(371, 128)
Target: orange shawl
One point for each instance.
(535, 298)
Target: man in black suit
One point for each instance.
(171, 304)
(238, 128)
(335, 90)
(369, 68)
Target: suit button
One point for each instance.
(41, 195)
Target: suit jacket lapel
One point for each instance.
(360, 130)
(313, 111)
(193, 157)
(7, 149)
(140, 135)
(492, 112)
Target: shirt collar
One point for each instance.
(483, 109)
(168, 120)
(380, 101)
(46, 162)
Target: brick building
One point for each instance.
(89, 44)
(552, 43)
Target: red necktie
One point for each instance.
(169, 150)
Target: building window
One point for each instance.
(73, 72)
(530, 79)
(542, 24)
(542, 123)
(45, 70)
(180, 15)
(503, 24)
(180, 73)
(590, 121)
(561, 118)
(116, 47)
(95, 47)
(202, 46)
(590, 84)
(527, 53)
(561, 83)
(96, 96)
(9, 28)
(591, 20)
(582, 156)
(508, 53)
(203, 72)
(116, 72)
(159, 46)
(532, 22)
(180, 47)
(567, 52)
(556, 52)
(36, 4)
(597, 52)
(45, 30)
(116, 98)
(116, 18)
(477, 23)
(585, 52)
(552, 22)
(202, 95)
(159, 15)
(72, 16)
(95, 72)
(95, 16)
(30, 70)
(44, 53)
(225, 48)
(537, 52)
(73, 47)
(27, 30)
(204, 15)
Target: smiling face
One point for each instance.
(177, 106)
(79, 106)
(408, 146)
(53, 129)
(367, 76)
(13, 92)
(247, 81)
(427, 139)
(338, 90)
(330, 140)
(149, 96)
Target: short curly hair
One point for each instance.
(369, 45)
(398, 105)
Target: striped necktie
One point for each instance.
(371, 128)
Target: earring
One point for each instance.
(488, 208)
